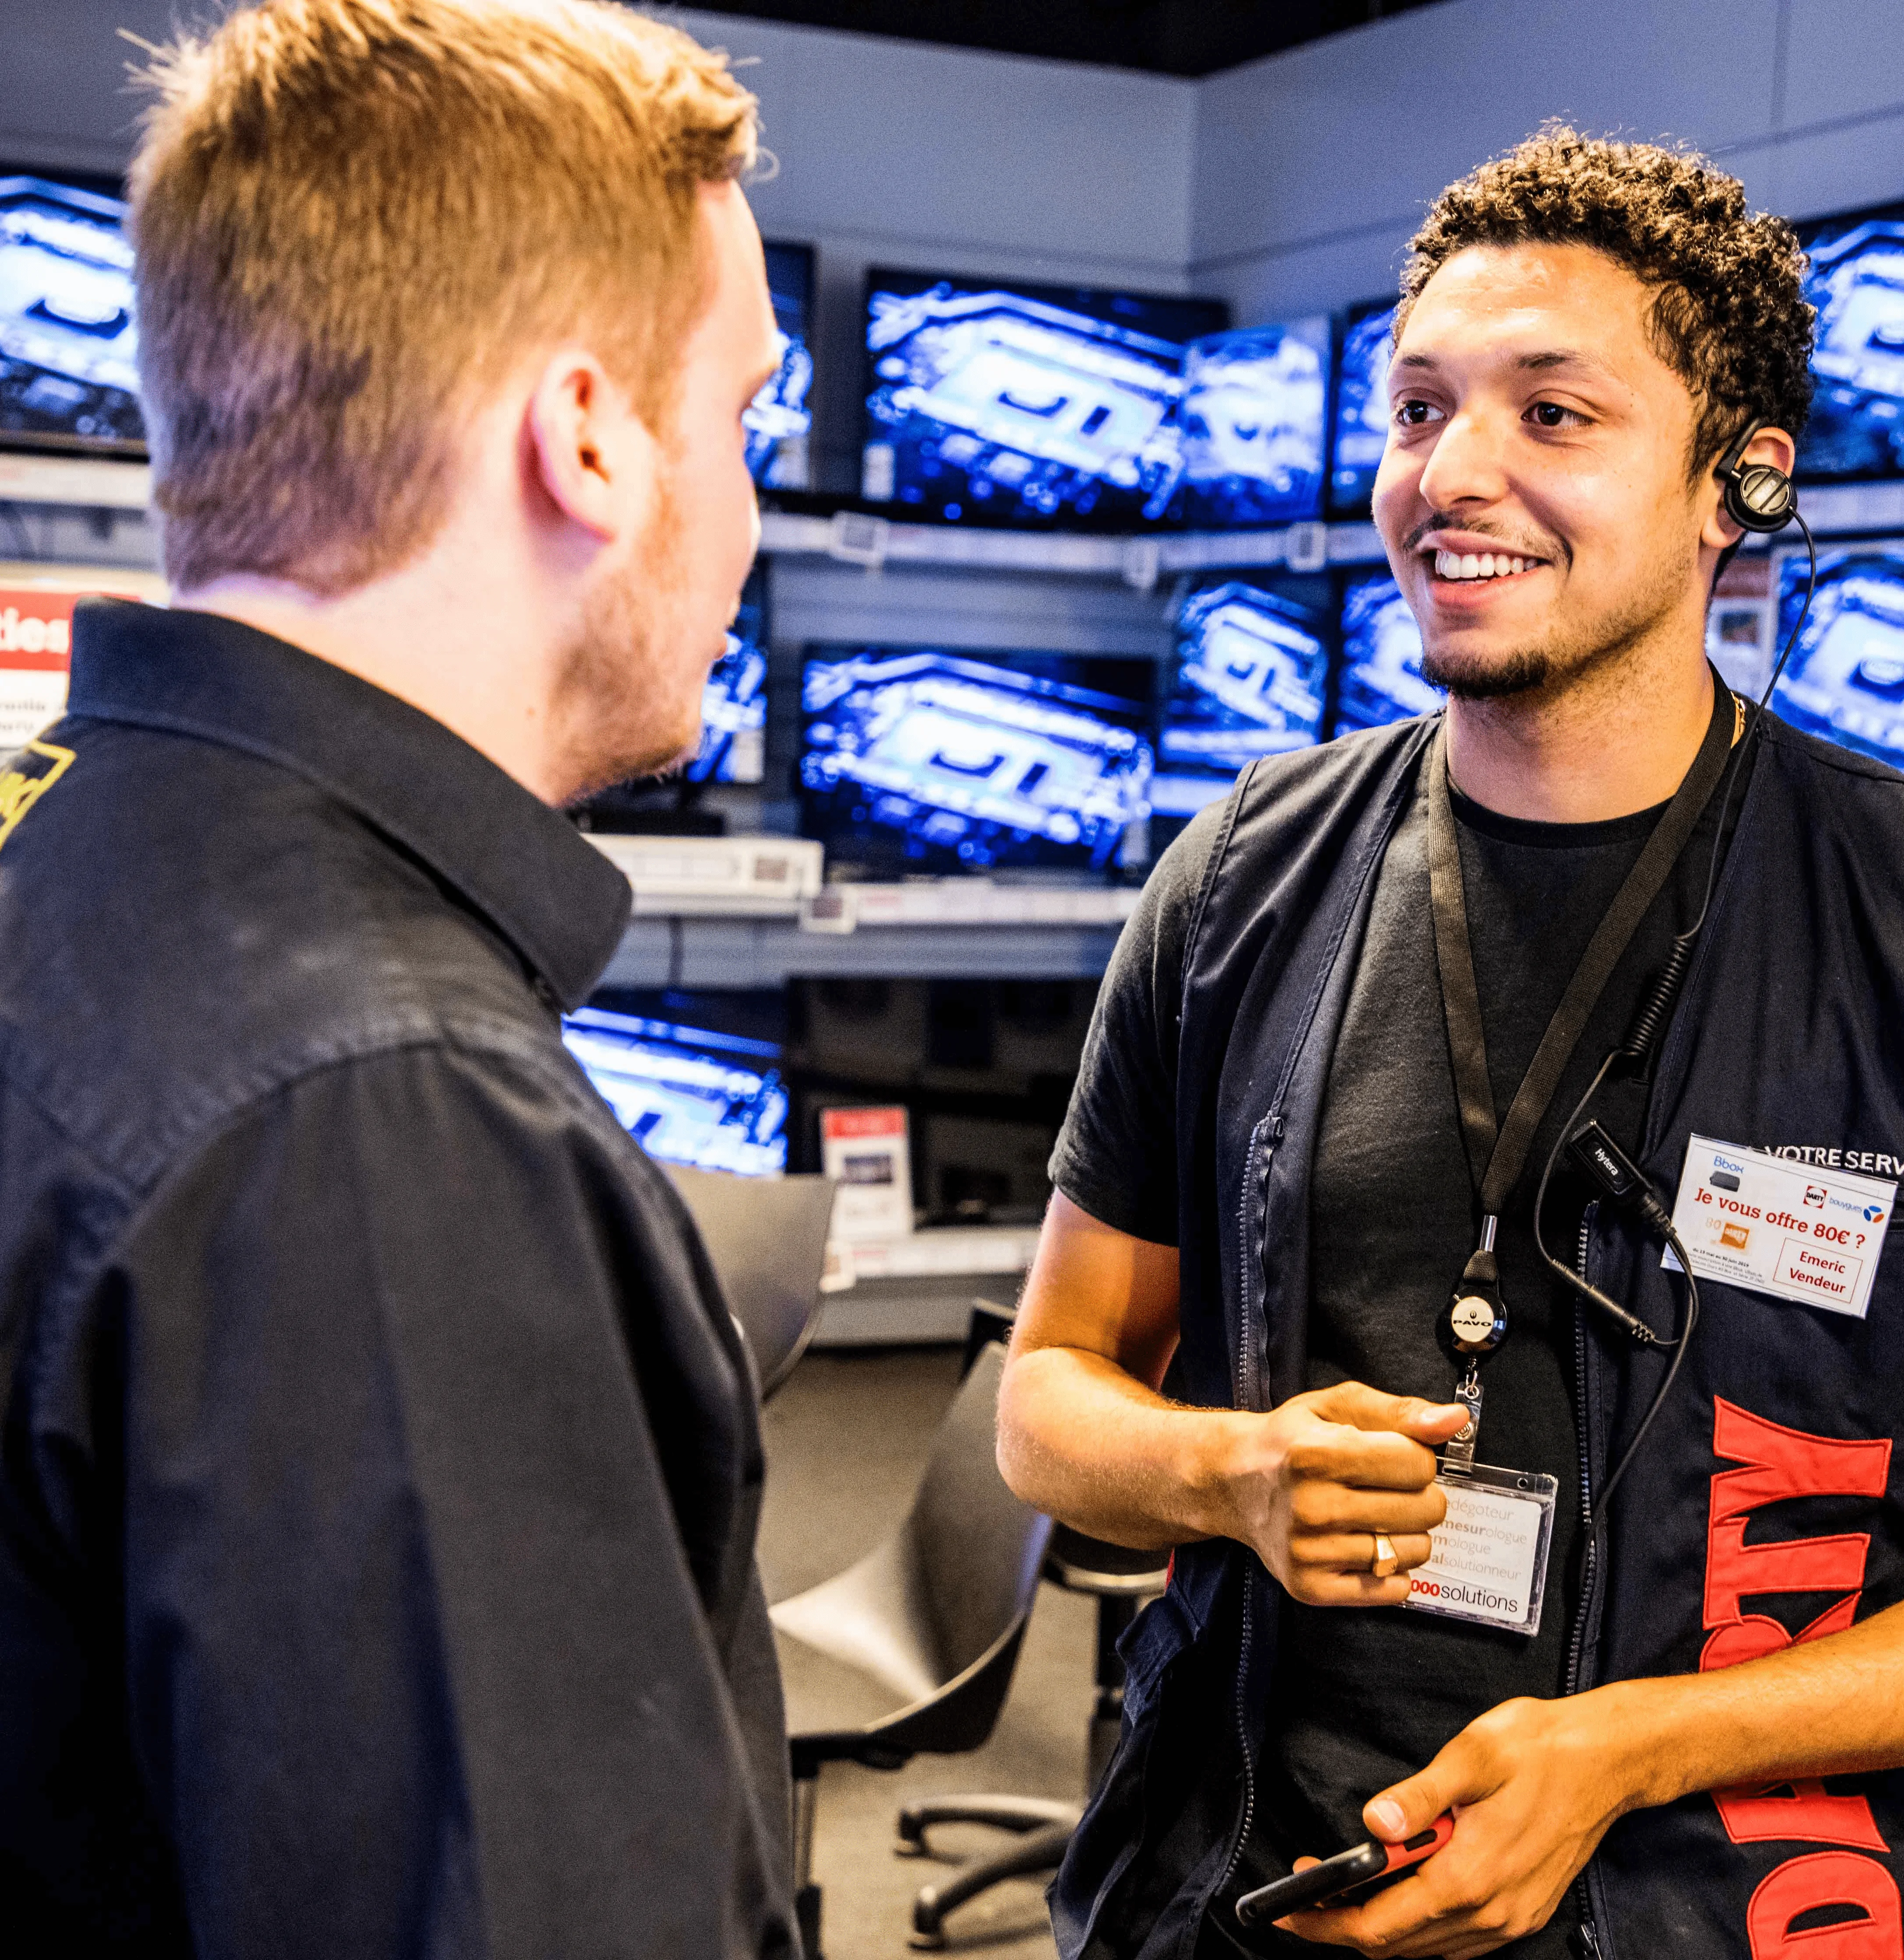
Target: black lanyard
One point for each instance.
(1475, 1321)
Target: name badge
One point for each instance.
(1795, 1231)
(1488, 1558)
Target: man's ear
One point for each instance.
(588, 449)
(1771, 446)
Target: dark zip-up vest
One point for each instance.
(1767, 1504)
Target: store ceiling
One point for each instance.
(1187, 37)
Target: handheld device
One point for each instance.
(1347, 1872)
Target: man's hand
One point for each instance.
(1311, 1483)
(1534, 1786)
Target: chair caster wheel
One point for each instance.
(928, 1930)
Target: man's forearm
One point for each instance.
(1090, 1445)
(1826, 1707)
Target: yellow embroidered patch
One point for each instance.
(26, 778)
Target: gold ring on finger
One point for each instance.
(1385, 1565)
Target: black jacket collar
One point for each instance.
(522, 864)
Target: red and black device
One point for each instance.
(1362, 1870)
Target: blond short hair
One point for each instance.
(353, 216)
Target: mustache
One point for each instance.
(1551, 548)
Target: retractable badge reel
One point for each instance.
(1472, 1326)
(1487, 1561)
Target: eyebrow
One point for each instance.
(1549, 360)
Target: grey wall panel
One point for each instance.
(1843, 58)
(1810, 173)
(1369, 125)
(1313, 167)
(64, 100)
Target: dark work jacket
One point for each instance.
(381, 1466)
(1768, 1501)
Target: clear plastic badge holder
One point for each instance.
(1487, 1559)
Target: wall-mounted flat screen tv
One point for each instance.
(1846, 678)
(68, 343)
(1381, 659)
(998, 401)
(918, 759)
(1255, 417)
(1360, 428)
(779, 420)
(692, 1095)
(1248, 679)
(1857, 285)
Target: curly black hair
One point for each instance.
(1729, 314)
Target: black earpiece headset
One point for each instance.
(1759, 498)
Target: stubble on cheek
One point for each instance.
(622, 705)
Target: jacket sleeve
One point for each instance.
(420, 1660)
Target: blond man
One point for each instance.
(378, 1501)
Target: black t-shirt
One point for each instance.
(1362, 1698)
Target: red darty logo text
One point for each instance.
(1867, 1916)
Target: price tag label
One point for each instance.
(1488, 1558)
(1795, 1231)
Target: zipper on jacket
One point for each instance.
(1255, 1184)
(1576, 1644)
(1589, 1941)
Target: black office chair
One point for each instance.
(1120, 1580)
(911, 1651)
(766, 1237)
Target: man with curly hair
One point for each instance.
(1313, 1169)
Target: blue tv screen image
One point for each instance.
(68, 343)
(733, 704)
(1026, 404)
(919, 760)
(1250, 672)
(1856, 282)
(779, 419)
(1362, 407)
(1846, 678)
(1381, 659)
(1255, 414)
(691, 1095)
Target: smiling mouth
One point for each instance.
(1459, 567)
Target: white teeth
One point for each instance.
(1478, 564)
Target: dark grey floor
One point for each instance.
(847, 1438)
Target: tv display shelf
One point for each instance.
(86, 482)
(857, 538)
(105, 483)
(956, 928)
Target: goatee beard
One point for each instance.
(1521, 673)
